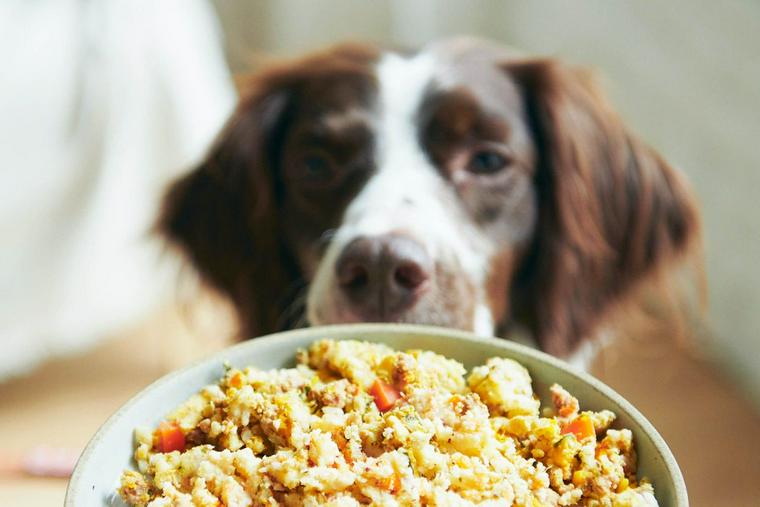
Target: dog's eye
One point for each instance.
(487, 162)
(317, 169)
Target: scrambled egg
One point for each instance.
(358, 423)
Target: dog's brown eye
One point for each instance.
(487, 162)
(317, 169)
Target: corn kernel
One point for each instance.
(537, 453)
(622, 485)
(580, 477)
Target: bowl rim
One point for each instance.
(649, 432)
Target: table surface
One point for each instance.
(711, 429)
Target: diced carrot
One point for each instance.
(385, 395)
(236, 380)
(396, 482)
(170, 437)
(386, 483)
(391, 483)
(582, 427)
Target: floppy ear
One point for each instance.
(223, 215)
(611, 210)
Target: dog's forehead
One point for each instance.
(439, 70)
(408, 78)
(331, 100)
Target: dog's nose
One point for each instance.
(382, 275)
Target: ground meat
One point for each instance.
(566, 404)
(134, 488)
(334, 394)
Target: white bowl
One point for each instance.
(96, 476)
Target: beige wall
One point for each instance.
(684, 73)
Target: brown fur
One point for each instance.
(611, 210)
(224, 215)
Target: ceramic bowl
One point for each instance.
(97, 472)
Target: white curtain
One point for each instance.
(101, 102)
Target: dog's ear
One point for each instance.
(222, 214)
(611, 210)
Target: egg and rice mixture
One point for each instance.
(358, 423)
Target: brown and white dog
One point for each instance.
(463, 186)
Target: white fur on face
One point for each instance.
(406, 194)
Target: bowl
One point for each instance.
(96, 476)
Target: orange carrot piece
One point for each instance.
(385, 395)
(582, 427)
(170, 437)
(236, 380)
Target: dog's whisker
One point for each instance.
(295, 309)
(296, 306)
(327, 236)
(301, 322)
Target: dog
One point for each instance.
(465, 185)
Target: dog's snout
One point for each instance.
(381, 276)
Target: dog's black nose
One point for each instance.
(381, 276)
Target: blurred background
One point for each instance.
(103, 102)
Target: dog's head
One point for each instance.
(462, 186)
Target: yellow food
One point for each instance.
(313, 435)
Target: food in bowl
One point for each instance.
(357, 423)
